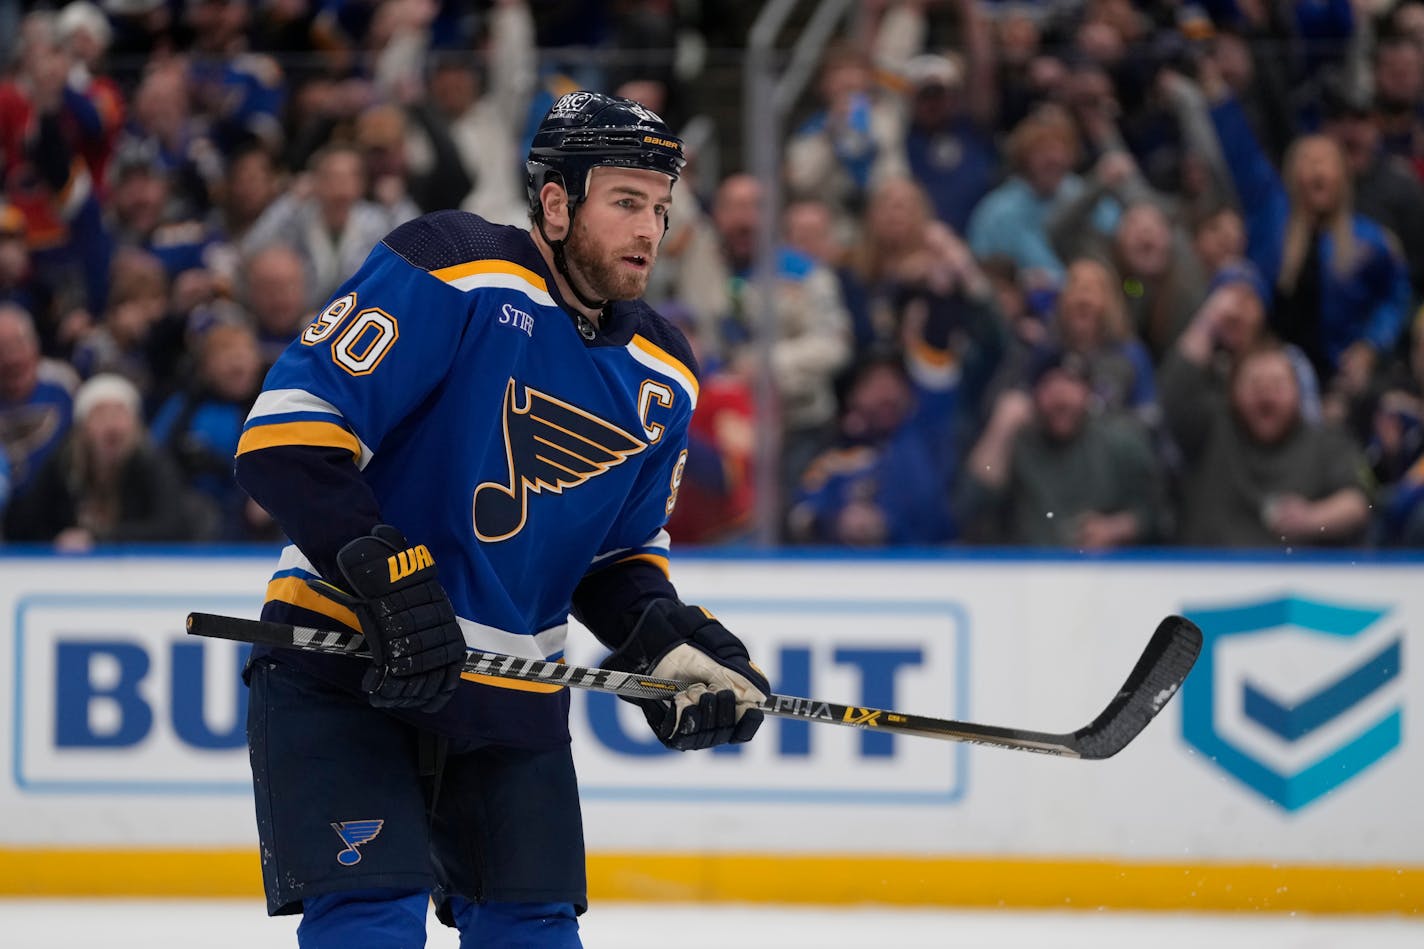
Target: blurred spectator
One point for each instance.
(106, 483)
(851, 142)
(1395, 448)
(1090, 320)
(326, 219)
(1341, 287)
(411, 163)
(1386, 189)
(274, 288)
(18, 282)
(1219, 239)
(200, 426)
(1230, 323)
(1162, 279)
(1257, 474)
(239, 93)
(1051, 472)
(144, 214)
(810, 228)
(36, 397)
(163, 131)
(250, 186)
(717, 495)
(949, 150)
(120, 344)
(811, 329)
(1399, 98)
(44, 126)
(1012, 219)
(84, 33)
(484, 102)
(886, 480)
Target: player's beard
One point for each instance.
(602, 273)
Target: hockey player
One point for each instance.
(497, 405)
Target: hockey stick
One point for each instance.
(1156, 677)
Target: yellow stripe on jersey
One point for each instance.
(657, 560)
(294, 590)
(473, 268)
(668, 363)
(931, 356)
(312, 434)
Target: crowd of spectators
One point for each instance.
(1085, 273)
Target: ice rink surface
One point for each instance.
(152, 924)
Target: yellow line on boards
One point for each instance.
(818, 879)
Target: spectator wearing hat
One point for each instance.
(106, 483)
(83, 31)
(1256, 472)
(36, 397)
(1231, 322)
(948, 147)
(1049, 471)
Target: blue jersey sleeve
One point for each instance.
(370, 357)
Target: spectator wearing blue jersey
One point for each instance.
(199, 427)
(1341, 288)
(884, 481)
(949, 149)
(36, 397)
(120, 343)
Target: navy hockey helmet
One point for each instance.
(586, 129)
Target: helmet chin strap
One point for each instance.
(561, 264)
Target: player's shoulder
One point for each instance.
(441, 241)
(665, 338)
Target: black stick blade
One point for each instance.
(1169, 656)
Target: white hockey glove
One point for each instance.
(675, 641)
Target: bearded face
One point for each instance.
(609, 270)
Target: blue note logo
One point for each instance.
(1295, 697)
(353, 834)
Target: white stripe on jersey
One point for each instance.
(283, 401)
(661, 541)
(506, 281)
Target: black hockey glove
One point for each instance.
(417, 649)
(674, 641)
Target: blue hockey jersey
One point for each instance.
(446, 391)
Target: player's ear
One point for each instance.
(556, 209)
